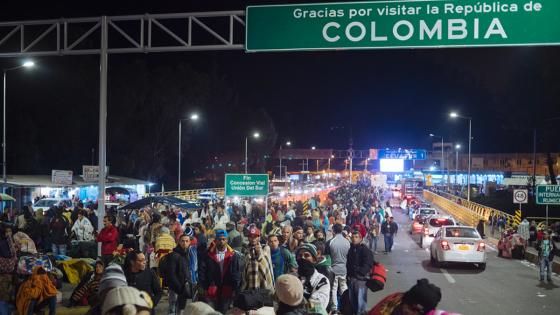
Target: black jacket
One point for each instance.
(145, 280)
(177, 275)
(209, 270)
(59, 230)
(389, 228)
(359, 262)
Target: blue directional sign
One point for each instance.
(403, 154)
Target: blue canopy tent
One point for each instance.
(166, 200)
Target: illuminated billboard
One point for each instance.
(391, 165)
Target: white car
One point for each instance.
(458, 244)
(432, 225)
(47, 203)
(424, 211)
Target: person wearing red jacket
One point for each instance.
(108, 237)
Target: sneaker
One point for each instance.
(549, 279)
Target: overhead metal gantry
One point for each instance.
(201, 31)
(125, 34)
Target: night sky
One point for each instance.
(382, 98)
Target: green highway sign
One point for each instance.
(402, 24)
(246, 185)
(548, 194)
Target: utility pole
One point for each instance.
(350, 156)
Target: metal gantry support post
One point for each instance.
(179, 160)
(102, 126)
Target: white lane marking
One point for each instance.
(492, 248)
(541, 295)
(447, 276)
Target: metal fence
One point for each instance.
(190, 194)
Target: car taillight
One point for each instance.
(426, 231)
(445, 245)
(481, 247)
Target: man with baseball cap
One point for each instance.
(257, 273)
(316, 287)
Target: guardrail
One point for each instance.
(459, 212)
(482, 211)
(189, 194)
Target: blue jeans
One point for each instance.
(358, 296)
(51, 302)
(59, 249)
(545, 263)
(373, 243)
(388, 238)
(173, 303)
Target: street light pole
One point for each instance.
(455, 115)
(256, 135)
(193, 117)
(179, 160)
(442, 161)
(27, 64)
(469, 173)
(246, 154)
(457, 147)
(4, 178)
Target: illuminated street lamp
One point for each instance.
(256, 135)
(26, 64)
(193, 117)
(455, 115)
(288, 143)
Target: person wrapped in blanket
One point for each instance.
(36, 292)
(86, 293)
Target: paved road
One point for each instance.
(505, 287)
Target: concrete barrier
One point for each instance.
(459, 212)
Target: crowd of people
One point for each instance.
(296, 258)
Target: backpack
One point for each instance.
(378, 277)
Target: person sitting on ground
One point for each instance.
(36, 292)
(86, 291)
(24, 243)
(422, 298)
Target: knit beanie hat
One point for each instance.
(113, 277)
(164, 230)
(189, 232)
(128, 297)
(289, 290)
(307, 247)
(424, 294)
